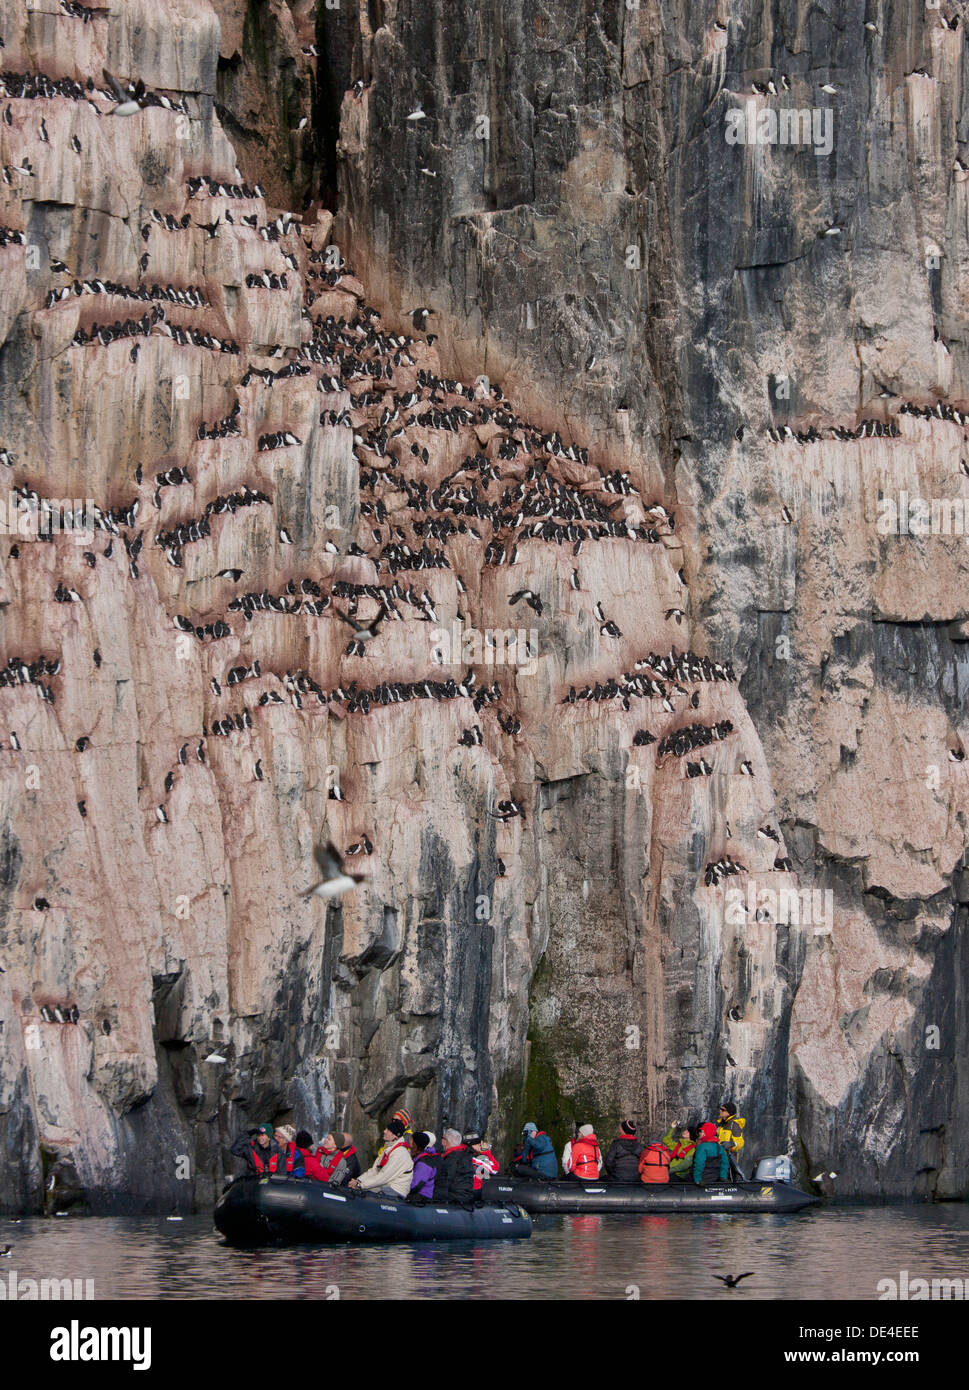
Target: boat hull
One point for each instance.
(300, 1211)
(569, 1197)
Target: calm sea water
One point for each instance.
(832, 1253)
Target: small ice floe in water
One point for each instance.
(174, 1218)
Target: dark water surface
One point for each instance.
(831, 1253)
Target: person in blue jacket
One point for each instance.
(535, 1157)
(710, 1161)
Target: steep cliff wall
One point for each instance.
(538, 925)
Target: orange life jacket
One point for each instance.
(654, 1163)
(586, 1157)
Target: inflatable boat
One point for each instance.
(300, 1211)
(568, 1196)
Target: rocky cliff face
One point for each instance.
(643, 642)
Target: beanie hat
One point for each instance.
(585, 1131)
(530, 1128)
(628, 1128)
(341, 1140)
(288, 1132)
(729, 1106)
(422, 1140)
(266, 1129)
(708, 1133)
(303, 1139)
(430, 1139)
(396, 1127)
(405, 1118)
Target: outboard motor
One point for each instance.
(774, 1169)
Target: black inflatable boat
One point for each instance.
(301, 1211)
(569, 1197)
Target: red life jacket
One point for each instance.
(260, 1163)
(586, 1157)
(312, 1163)
(401, 1144)
(290, 1155)
(654, 1163)
(326, 1163)
(484, 1162)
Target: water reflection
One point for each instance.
(832, 1253)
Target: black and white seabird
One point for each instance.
(335, 880)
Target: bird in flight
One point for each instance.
(732, 1280)
(130, 101)
(335, 880)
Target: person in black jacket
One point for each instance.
(455, 1175)
(622, 1160)
(259, 1149)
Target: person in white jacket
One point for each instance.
(390, 1175)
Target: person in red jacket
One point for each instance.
(483, 1160)
(583, 1157)
(332, 1161)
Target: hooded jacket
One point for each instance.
(710, 1161)
(426, 1165)
(538, 1152)
(622, 1160)
(730, 1133)
(455, 1177)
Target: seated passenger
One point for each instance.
(582, 1158)
(331, 1163)
(535, 1157)
(483, 1161)
(312, 1167)
(622, 1160)
(654, 1163)
(681, 1145)
(258, 1148)
(455, 1177)
(391, 1173)
(290, 1159)
(345, 1144)
(710, 1161)
(427, 1161)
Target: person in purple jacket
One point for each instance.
(426, 1163)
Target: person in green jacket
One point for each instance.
(710, 1161)
(681, 1143)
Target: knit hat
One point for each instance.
(585, 1131)
(628, 1128)
(430, 1139)
(422, 1140)
(304, 1139)
(266, 1129)
(530, 1128)
(341, 1140)
(287, 1131)
(396, 1127)
(708, 1133)
(405, 1118)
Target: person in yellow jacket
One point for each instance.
(730, 1130)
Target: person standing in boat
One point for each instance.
(391, 1172)
(622, 1160)
(427, 1161)
(258, 1148)
(455, 1178)
(730, 1133)
(582, 1157)
(711, 1162)
(535, 1157)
